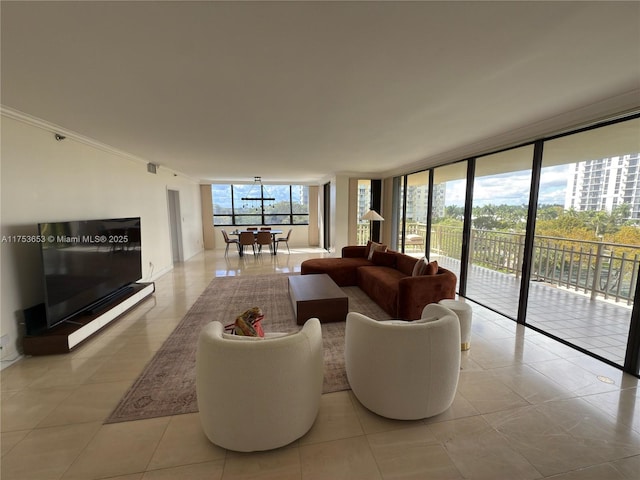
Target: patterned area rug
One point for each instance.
(167, 384)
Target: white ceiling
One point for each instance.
(299, 91)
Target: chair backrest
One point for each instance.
(246, 238)
(286, 239)
(404, 370)
(263, 238)
(243, 385)
(225, 235)
(265, 228)
(252, 228)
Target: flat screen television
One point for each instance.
(87, 263)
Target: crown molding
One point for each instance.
(36, 122)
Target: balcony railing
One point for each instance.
(599, 269)
(362, 233)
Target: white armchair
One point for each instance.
(258, 393)
(404, 370)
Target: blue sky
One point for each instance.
(512, 188)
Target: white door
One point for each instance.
(175, 225)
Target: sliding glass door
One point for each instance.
(447, 214)
(398, 225)
(501, 187)
(572, 271)
(417, 204)
(363, 233)
(586, 254)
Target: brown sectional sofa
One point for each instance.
(387, 279)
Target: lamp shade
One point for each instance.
(372, 215)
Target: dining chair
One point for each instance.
(265, 228)
(264, 237)
(285, 240)
(247, 238)
(252, 228)
(229, 241)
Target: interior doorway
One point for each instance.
(175, 225)
(326, 204)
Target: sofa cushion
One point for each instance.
(374, 247)
(405, 263)
(355, 251)
(419, 268)
(416, 292)
(384, 259)
(343, 271)
(432, 268)
(381, 284)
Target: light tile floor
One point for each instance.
(599, 326)
(527, 407)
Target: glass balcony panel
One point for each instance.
(499, 219)
(447, 215)
(415, 232)
(587, 241)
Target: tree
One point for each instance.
(549, 212)
(600, 221)
(454, 211)
(486, 222)
(565, 226)
(627, 235)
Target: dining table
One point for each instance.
(273, 233)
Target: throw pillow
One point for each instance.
(367, 250)
(384, 259)
(432, 268)
(419, 268)
(376, 247)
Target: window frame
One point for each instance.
(263, 213)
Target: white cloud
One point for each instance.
(512, 188)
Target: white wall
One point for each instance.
(46, 180)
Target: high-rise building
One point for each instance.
(364, 198)
(604, 184)
(439, 194)
(417, 202)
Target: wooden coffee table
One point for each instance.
(317, 296)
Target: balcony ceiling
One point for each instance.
(301, 91)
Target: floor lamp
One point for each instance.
(372, 216)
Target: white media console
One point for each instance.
(67, 335)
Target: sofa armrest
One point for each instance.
(414, 293)
(354, 251)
